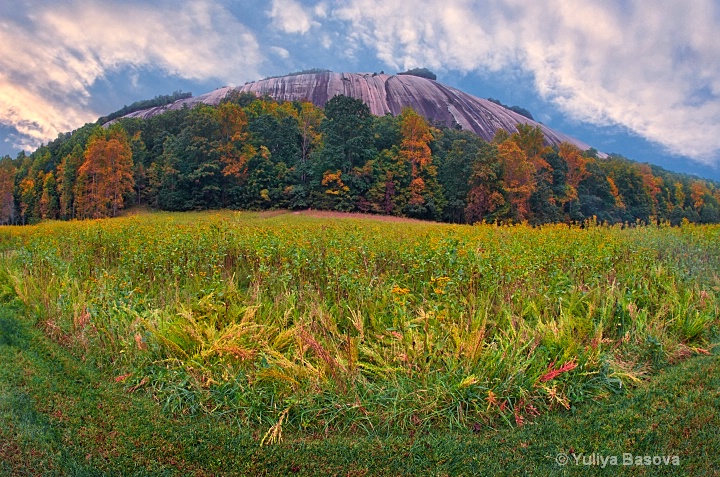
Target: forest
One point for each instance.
(255, 153)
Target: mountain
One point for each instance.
(383, 94)
(248, 154)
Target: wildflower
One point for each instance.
(122, 378)
(491, 399)
(396, 290)
(439, 284)
(553, 373)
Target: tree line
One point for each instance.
(161, 100)
(256, 153)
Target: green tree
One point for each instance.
(386, 132)
(486, 199)
(265, 183)
(66, 176)
(191, 170)
(391, 176)
(348, 134)
(278, 131)
(309, 120)
(28, 196)
(595, 197)
(454, 152)
(49, 201)
(7, 186)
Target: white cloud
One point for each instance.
(652, 67)
(280, 51)
(290, 17)
(320, 10)
(326, 41)
(49, 61)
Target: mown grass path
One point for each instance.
(61, 416)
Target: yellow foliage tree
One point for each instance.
(235, 150)
(416, 137)
(518, 177)
(679, 195)
(531, 141)
(615, 193)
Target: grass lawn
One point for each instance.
(61, 416)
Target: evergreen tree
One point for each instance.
(7, 186)
(486, 199)
(455, 152)
(49, 202)
(348, 134)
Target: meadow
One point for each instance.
(318, 325)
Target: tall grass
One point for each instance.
(325, 325)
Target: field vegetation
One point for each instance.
(289, 322)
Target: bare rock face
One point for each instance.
(384, 94)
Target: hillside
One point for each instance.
(384, 94)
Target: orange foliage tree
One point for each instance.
(698, 191)
(651, 184)
(415, 149)
(235, 150)
(577, 167)
(106, 174)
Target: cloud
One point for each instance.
(290, 17)
(320, 10)
(50, 59)
(280, 51)
(652, 67)
(326, 41)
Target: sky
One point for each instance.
(632, 77)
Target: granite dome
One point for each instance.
(384, 94)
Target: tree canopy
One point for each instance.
(256, 153)
(421, 72)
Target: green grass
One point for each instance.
(61, 416)
(407, 347)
